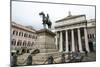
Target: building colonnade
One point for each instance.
(71, 44)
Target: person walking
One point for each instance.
(86, 52)
(63, 58)
(50, 60)
(13, 60)
(29, 60)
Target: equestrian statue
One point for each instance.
(45, 20)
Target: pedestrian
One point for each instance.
(50, 60)
(63, 58)
(86, 52)
(29, 60)
(13, 60)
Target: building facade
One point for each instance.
(91, 30)
(72, 33)
(22, 38)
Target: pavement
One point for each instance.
(91, 57)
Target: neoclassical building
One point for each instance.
(73, 33)
(22, 38)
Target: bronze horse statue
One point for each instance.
(45, 20)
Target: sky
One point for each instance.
(27, 13)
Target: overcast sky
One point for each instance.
(27, 13)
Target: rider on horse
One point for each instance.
(45, 20)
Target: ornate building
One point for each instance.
(73, 33)
(22, 38)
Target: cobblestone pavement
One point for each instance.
(91, 57)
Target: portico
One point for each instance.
(72, 34)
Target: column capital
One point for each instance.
(67, 29)
(78, 28)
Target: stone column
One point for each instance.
(86, 40)
(73, 43)
(67, 41)
(60, 44)
(56, 41)
(79, 41)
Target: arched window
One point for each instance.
(29, 36)
(25, 35)
(14, 42)
(14, 32)
(18, 43)
(19, 33)
(22, 33)
(24, 43)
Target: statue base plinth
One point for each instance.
(45, 41)
(46, 45)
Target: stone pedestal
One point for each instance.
(45, 41)
(46, 45)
